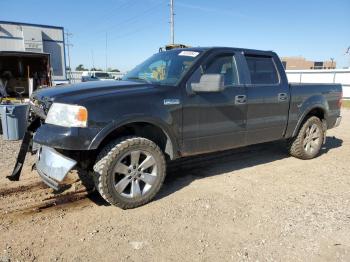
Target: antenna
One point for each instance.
(172, 37)
(68, 44)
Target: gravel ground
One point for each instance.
(251, 204)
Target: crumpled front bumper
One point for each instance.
(52, 166)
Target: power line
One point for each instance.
(130, 20)
(141, 14)
(107, 16)
(140, 29)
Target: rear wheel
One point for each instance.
(308, 142)
(129, 172)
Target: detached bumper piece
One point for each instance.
(28, 136)
(52, 166)
(337, 123)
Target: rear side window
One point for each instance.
(262, 70)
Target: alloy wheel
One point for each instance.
(135, 174)
(312, 139)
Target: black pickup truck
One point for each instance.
(175, 104)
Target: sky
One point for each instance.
(135, 29)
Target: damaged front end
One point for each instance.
(51, 165)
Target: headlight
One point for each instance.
(67, 115)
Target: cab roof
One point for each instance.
(222, 48)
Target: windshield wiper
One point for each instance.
(138, 78)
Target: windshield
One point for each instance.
(165, 68)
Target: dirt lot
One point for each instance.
(253, 204)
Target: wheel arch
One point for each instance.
(318, 110)
(153, 129)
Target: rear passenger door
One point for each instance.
(267, 98)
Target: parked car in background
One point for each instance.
(176, 104)
(96, 76)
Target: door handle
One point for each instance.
(282, 96)
(240, 99)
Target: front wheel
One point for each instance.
(129, 172)
(308, 142)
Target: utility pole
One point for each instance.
(172, 37)
(92, 58)
(332, 64)
(69, 45)
(106, 53)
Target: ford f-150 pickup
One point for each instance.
(175, 104)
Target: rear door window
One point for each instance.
(262, 70)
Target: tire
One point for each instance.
(308, 142)
(129, 172)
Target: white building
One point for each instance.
(24, 37)
(338, 76)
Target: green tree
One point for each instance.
(80, 68)
(95, 69)
(110, 69)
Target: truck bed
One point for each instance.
(303, 96)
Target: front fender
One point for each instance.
(136, 119)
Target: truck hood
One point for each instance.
(75, 92)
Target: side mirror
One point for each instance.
(209, 83)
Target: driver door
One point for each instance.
(214, 121)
